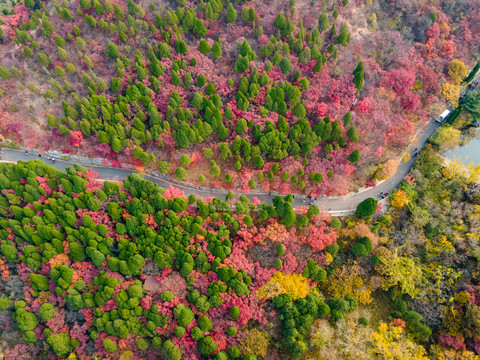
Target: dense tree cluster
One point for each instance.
(84, 248)
(150, 97)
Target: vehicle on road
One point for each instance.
(443, 116)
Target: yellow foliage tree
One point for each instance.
(280, 283)
(372, 22)
(398, 271)
(253, 342)
(451, 93)
(452, 354)
(457, 170)
(349, 340)
(439, 245)
(448, 138)
(347, 280)
(328, 258)
(399, 199)
(452, 321)
(457, 71)
(390, 343)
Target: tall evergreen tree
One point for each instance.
(216, 50)
(231, 14)
(358, 76)
(323, 22)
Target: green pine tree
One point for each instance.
(231, 14)
(358, 76)
(203, 47)
(216, 50)
(112, 50)
(323, 22)
(318, 65)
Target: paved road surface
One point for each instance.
(335, 205)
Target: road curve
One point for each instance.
(335, 205)
(338, 206)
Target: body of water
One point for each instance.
(468, 153)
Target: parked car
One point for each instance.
(443, 116)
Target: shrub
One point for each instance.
(46, 311)
(207, 346)
(201, 80)
(204, 323)
(196, 333)
(366, 208)
(179, 331)
(181, 174)
(231, 331)
(39, 282)
(61, 343)
(167, 296)
(112, 50)
(234, 312)
(363, 321)
(164, 167)
(336, 223)
(26, 320)
(333, 249)
(359, 250)
(109, 345)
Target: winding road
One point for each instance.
(335, 205)
(338, 206)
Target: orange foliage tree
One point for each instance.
(388, 169)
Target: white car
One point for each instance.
(443, 116)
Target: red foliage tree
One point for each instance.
(402, 80)
(433, 31)
(77, 139)
(411, 101)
